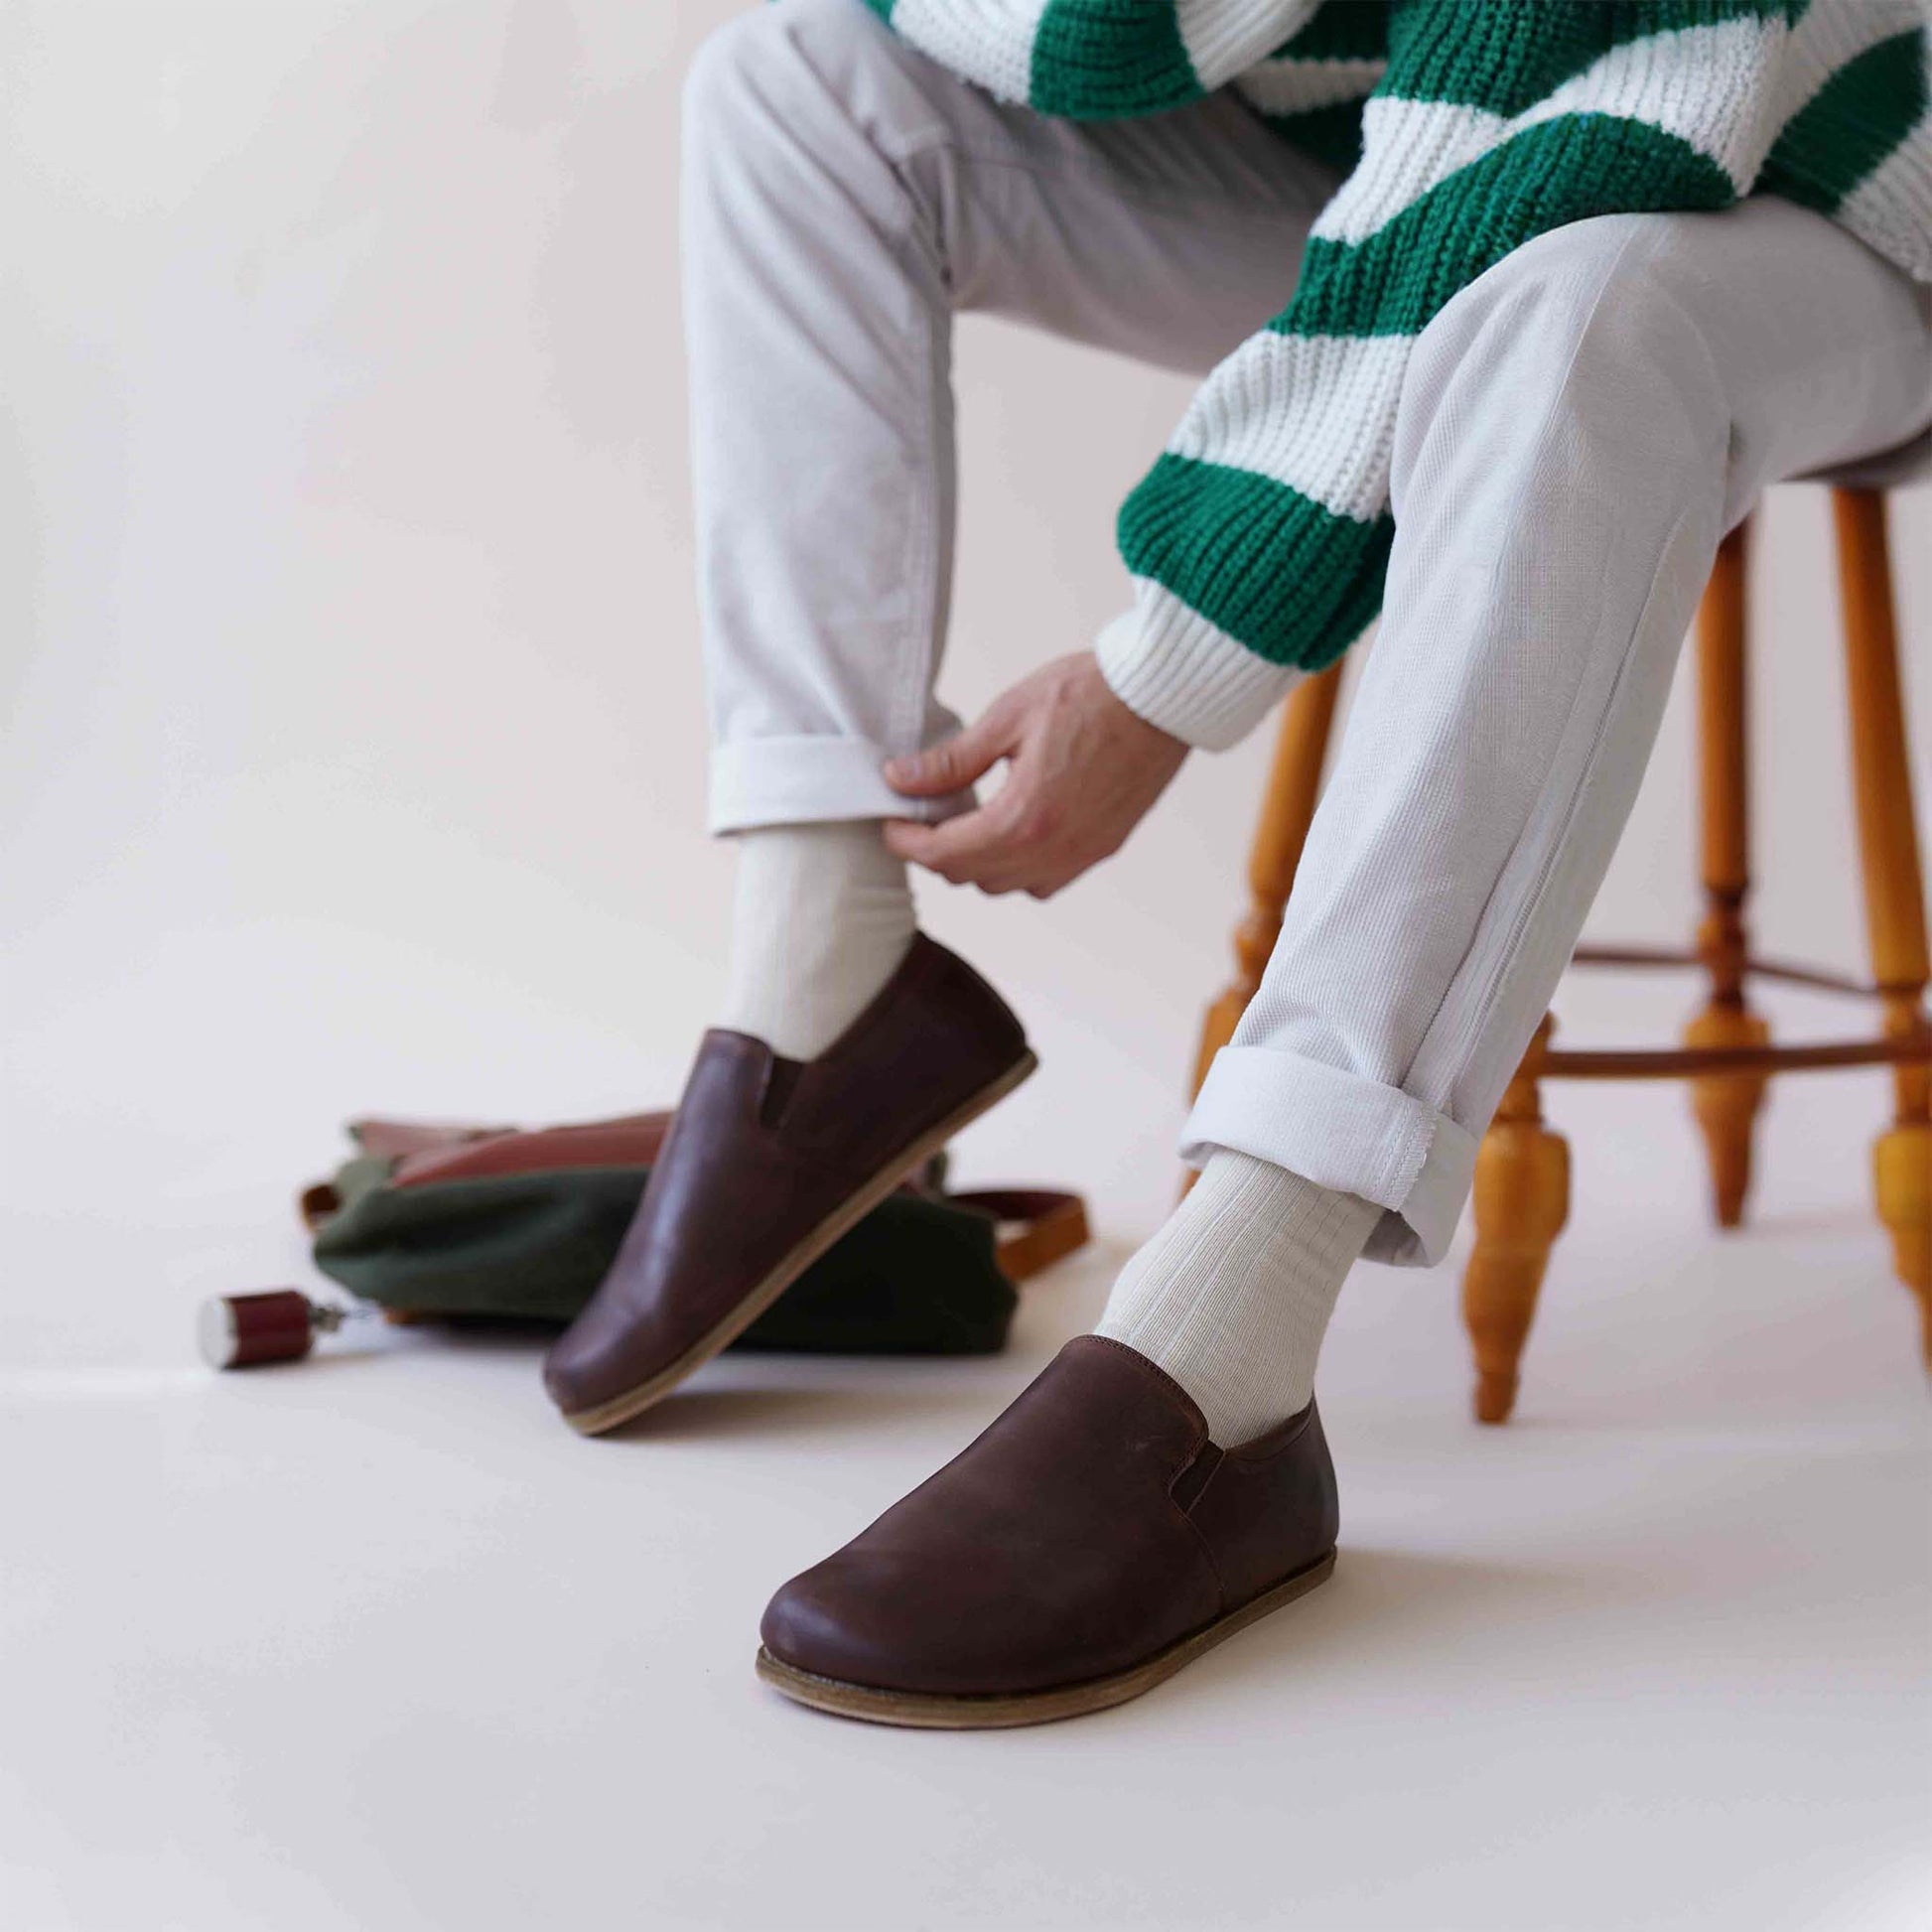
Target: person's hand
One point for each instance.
(1082, 770)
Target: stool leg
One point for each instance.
(1726, 1104)
(1894, 891)
(1288, 809)
(1522, 1199)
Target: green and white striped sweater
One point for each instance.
(1259, 540)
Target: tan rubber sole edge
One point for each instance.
(921, 1712)
(633, 1401)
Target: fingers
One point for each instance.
(953, 763)
(951, 849)
(979, 848)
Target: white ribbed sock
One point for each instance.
(1233, 1295)
(822, 918)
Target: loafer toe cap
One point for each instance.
(843, 1620)
(894, 1625)
(584, 1369)
(803, 1626)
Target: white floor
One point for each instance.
(354, 757)
(374, 1643)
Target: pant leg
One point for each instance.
(843, 197)
(1578, 429)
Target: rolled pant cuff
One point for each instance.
(811, 780)
(1344, 1131)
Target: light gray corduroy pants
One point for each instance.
(1578, 429)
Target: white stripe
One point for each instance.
(1314, 412)
(1225, 37)
(1714, 87)
(1291, 87)
(1711, 86)
(1408, 146)
(987, 42)
(1891, 209)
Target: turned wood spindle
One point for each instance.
(1726, 1104)
(1287, 810)
(1895, 893)
(1521, 1200)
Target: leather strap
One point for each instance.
(394, 1139)
(1037, 1226)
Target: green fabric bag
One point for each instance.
(471, 1224)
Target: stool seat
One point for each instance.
(1521, 1193)
(1898, 468)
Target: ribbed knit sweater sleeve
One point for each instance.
(1259, 541)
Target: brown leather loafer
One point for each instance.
(767, 1163)
(1086, 1547)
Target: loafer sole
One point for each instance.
(922, 1711)
(855, 1207)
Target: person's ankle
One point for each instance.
(1232, 1296)
(823, 918)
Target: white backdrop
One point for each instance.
(352, 759)
(353, 745)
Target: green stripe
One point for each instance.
(1851, 125)
(1099, 59)
(1505, 56)
(1331, 135)
(1557, 172)
(1341, 30)
(882, 8)
(1292, 581)
(1635, 20)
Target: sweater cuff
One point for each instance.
(1169, 664)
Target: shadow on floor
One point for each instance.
(1389, 1604)
(822, 1408)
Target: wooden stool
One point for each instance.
(1522, 1179)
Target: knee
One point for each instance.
(1580, 334)
(753, 67)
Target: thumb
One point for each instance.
(954, 762)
